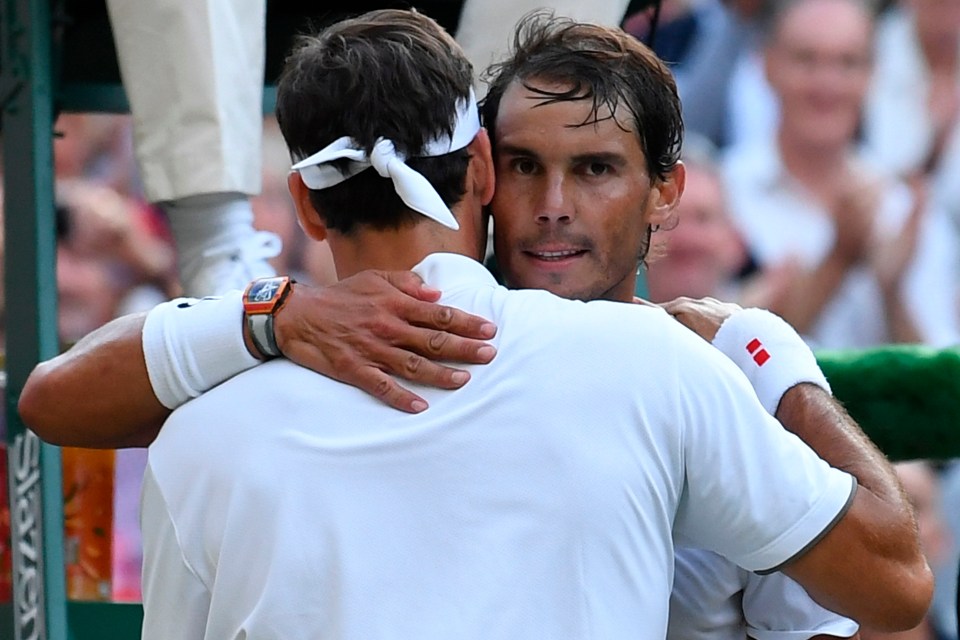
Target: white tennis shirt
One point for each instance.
(541, 500)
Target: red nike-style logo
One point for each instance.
(760, 355)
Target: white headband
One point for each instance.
(415, 190)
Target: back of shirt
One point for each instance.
(537, 501)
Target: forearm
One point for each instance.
(97, 394)
(117, 385)
(878, 534)
(879, 531)
(820, 421)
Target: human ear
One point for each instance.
(665, 194)
(484, 179)
(307, 216)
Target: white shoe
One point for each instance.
(228, 267)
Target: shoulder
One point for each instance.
(601, 324)
(233, 413)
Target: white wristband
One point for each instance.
(191, 346)
(770, 352)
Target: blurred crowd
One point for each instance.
(821, 141)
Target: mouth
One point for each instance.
(556, 256)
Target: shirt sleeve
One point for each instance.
(175, 601)
(777, 608)
(753, 492)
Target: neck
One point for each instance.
(398, 249)
(625, 291)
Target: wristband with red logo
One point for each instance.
(770, 352)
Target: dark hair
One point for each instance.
(393, 74)
(603, 64)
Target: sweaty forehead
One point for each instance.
(529, 103)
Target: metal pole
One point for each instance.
(26, 97)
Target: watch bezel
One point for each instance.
(268, 306)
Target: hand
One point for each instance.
(853, 217)
(377, 323)
(703, 316)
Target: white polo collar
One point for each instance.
(450, 271)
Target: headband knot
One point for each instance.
(319, 172)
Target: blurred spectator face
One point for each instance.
(818, 63)
(704, 250)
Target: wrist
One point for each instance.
(770, 353)
(262, 300)
(190, 346)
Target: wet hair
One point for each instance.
(592, 62)
(394, 74)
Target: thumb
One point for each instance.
(412, 285)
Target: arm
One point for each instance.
(901, 581)
(104, 393)
(877, 536)
(59, 403)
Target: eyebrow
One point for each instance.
(602, 157)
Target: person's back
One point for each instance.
(537, 501)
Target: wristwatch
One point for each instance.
(262, 299)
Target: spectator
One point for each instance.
(872, 255)
(913, 107)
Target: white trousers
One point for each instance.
(193, 74)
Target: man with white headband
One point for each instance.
(538, 500)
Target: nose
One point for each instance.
(555, 206)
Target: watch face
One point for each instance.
(263, 294)
(264, 290)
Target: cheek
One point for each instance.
(509, 208)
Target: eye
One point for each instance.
(523, 166)
(597, 168)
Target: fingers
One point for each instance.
(371, 327)
(423, 313)
(678, 305)
(439, 345)
(386, 389)
(447, 319)
(377, 381)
